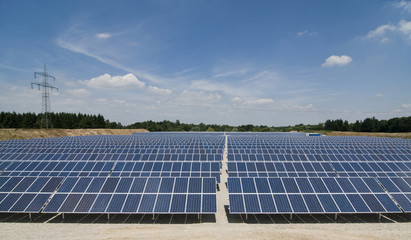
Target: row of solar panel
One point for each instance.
(323, 157)
(106, 185)
(108, 195)
(358, 167)
(94, 150)
(108, 203)
(312, 203)
(111, 157)
(215, 175)
(284, 174)
(323, 141)
(132, 203)
(97, 166)
(318, 185)
(319, 174)
(324, 149)
(317, 150)
(319, 195)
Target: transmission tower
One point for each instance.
(45, 87)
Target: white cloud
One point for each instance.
(235, 72)
(402, 28)
(260, 101)
(381, 30)
(337, 61)
(404, 4)
(302, 33)
(108, 81)
(236, 99)
(256, 101)
(189, 97)
(405, 28)
(406, 105)
(379, 95)
(159, 90)
(103, 35)
(306, 33)
(81, 92)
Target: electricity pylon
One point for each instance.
(45, 86)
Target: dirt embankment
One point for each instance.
(11, 133)
(370, 134)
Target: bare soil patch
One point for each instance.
(369, 134)
(13, 133)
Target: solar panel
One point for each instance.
(145, 197)
(296, 195)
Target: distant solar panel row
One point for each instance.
(101, 168)
(110, 157)
(279, 157)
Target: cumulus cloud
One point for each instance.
(406, 105)
(159, 90)
(108, 81)
(337, 61)
(103, 35)
(81, 92)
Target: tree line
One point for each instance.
(58, 120)
(72, 121)
(402, 124)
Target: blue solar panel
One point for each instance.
(193, 203)
(178, 203)
(236, 203)
(282, 203)
(101, 203)
(313, 204)
(163, 203)
(358, 203)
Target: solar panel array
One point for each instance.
(177, 173)
(141, 173)
(300, 174)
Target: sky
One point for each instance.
(274, 63)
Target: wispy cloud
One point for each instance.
(384, 32)
(404, 4)
(80, 92)
(235, 72)
(337, 61)
(381, 30)
(107, 81)
(103, 35)
(406, 105)
(80, 41)
(256, 101)
(306, 33)
(159, 90)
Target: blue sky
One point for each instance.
(273, 63)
